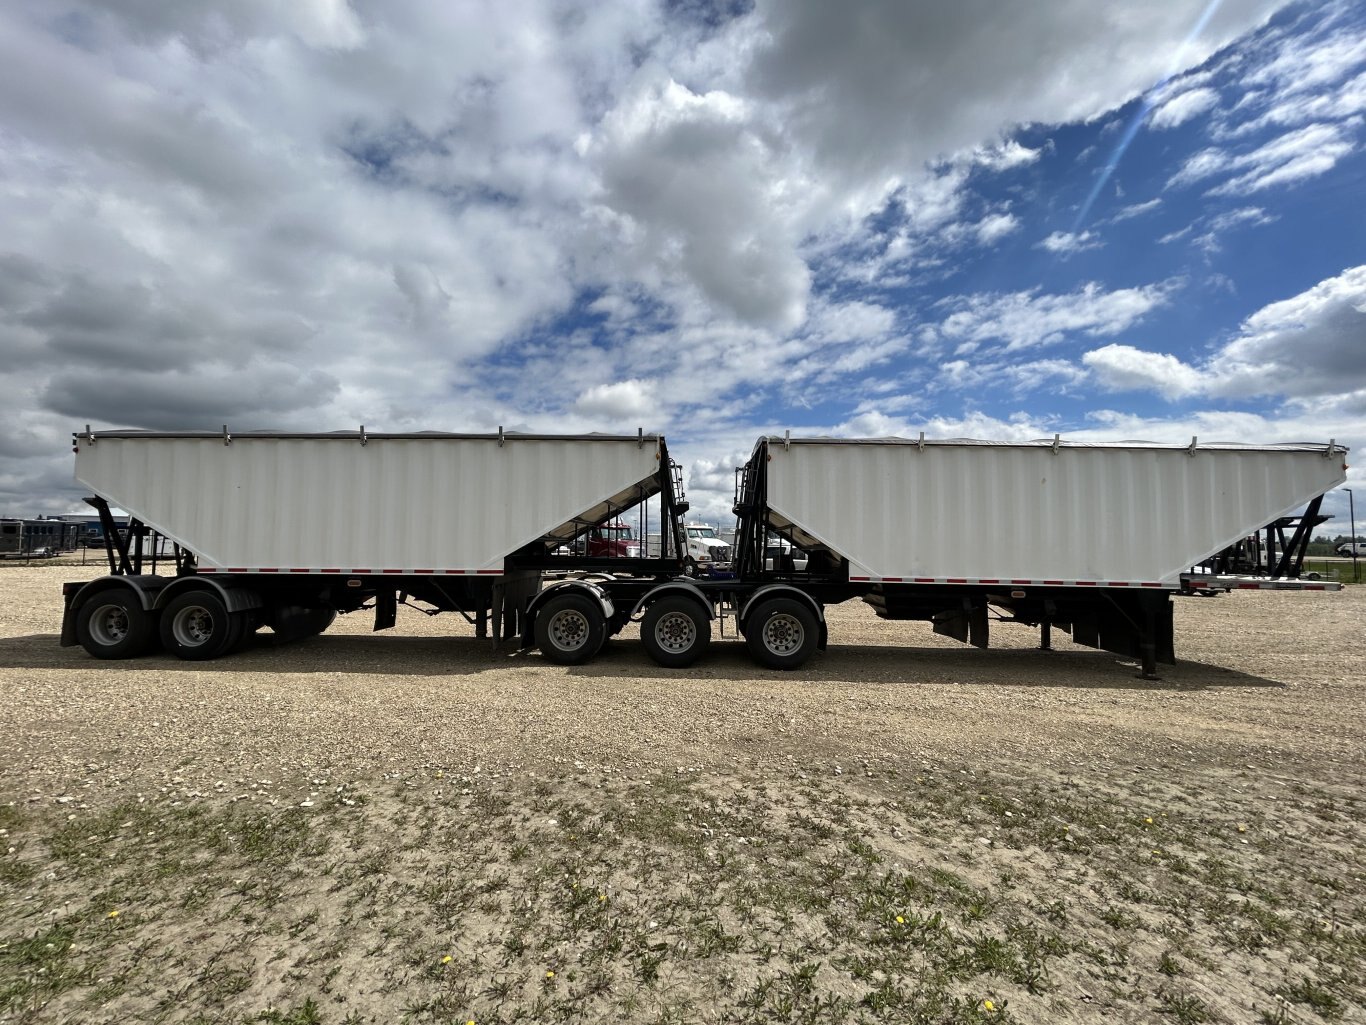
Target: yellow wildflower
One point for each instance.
(550, 975)
(114, 913)
(900, 920)
(447, 959)
(1149, 820)
(989, 1006)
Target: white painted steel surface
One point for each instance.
(438, 502)
(966, 510)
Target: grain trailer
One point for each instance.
(1092, 538)
(287, 530)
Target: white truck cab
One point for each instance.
(707, 548)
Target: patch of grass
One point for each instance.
(1184, 1008)
(778, 900)
(306, 1013)
(1312, 993)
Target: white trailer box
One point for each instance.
(365, 504)
(1059, 513)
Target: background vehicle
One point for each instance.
(613, 540)
(37, 538)
(707, 549)
(1350, 550)
(780, 554)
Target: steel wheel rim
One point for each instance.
(675, 632)
(783, 634)
(568, 629)
(192, 626)
(109, 625)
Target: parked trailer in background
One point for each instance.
(36, 538)
(288, 530)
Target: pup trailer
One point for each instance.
(288, 530)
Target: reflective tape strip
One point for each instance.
(997, 581)
(357, 572)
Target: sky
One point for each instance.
(714, 219)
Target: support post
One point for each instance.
(1147, 642)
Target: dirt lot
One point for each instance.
(411, 826)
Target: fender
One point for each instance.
(784, 591)
(146, 588)
(585, 587)
(234, 599)
(684, 587)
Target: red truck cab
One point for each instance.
(614, 541)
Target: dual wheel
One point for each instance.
(781, 633)
(194, 625)
(571, 629)
(113, 624)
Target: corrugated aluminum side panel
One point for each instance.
(977, 511)
(439, 503)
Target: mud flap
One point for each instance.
(511, 596)
(1136, 626)
(386, 610)
(968, 624)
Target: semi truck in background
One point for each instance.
(707, 550)
(286, 531)
(613, 540)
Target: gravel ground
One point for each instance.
(1260, 722)
(1274, 678)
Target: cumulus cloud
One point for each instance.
(881, 85)
(1217, 226)
(1305, 153)
(423, 214)
(1017, 379)
(1308, 345)
(1182, 107)
(1125, 368)
(1318, 74)
(1300, 348)
(704, 195)
(1005, 157)
(622, 400)
(273, 394)
(1137, 209)
(1027, 319)
(1065, 243)
(994, 227)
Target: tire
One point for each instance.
(113, 624)
(781, 633)
(293, 623)
(570, 629)
(249, 623)
(676, 632)
(196, 626)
